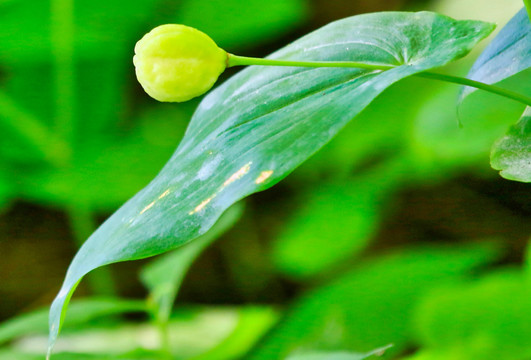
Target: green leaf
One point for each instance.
(371, 304)
(337, 355)
(257, 127)
(81, 312)
(333, 223)
(512, 153)
(375, 136)
(253, 323)
(487, 319)
(508, 54)
(163, 276)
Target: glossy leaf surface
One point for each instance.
(508, 54)
(257, 127)
(512, 153)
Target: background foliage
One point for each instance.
(370, 242)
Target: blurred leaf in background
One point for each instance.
(82, 312)
(198, 333)
(371, 305)
(334, 222)
(485, 319)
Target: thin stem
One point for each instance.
(526, 100)
(82, 224)
(62, 34)
(235, 60)
(164, 336)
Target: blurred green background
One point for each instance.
(398, 231)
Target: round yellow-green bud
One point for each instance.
(177, 63)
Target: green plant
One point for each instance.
(256, 128)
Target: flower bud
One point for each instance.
(177, 63)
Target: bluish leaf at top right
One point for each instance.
(507, 55)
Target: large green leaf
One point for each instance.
(372, 304)
(374, 138)
(512, 153)
(257, 127)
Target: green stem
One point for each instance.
(526, 100)
(82, 224)
(62, 40)
(164, 336)
(235, 60)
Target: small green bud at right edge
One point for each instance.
(175, 63)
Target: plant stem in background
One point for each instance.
(235, 60)
(62, 35)
(164, 336)
(32, 131)
(82, 224)
(62, 40)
